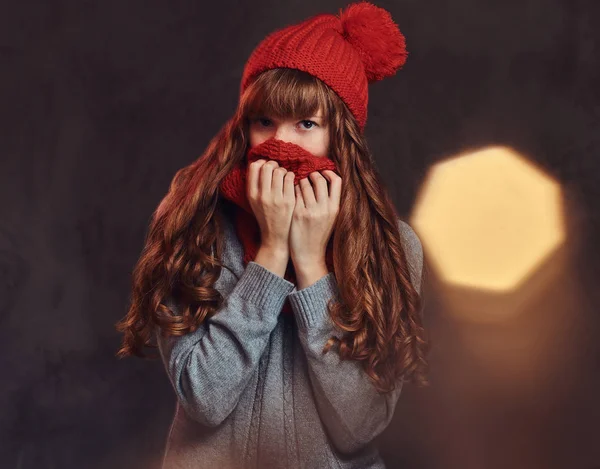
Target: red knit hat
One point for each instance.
(359, 46)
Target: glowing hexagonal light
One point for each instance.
(488, 219)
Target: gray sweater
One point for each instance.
(254, 391)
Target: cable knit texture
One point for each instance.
(360, 45)
(233, 187)
(252, 388)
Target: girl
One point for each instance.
(293, 355)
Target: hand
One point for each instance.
(314, 218)
(270, 192)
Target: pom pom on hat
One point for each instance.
(375, 36)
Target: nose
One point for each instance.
(283, 133)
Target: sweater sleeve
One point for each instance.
(351, 409)
(210, 367)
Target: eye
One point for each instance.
(310, 122)
(262, 120)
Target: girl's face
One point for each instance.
(311, 133)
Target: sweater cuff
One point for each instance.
(262, 287)
(310, 303)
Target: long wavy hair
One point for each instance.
(379, 312)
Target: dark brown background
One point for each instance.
(103, 101)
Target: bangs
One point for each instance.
(286, 93)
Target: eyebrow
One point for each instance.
(257, 115)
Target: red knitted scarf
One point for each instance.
(233, 187)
